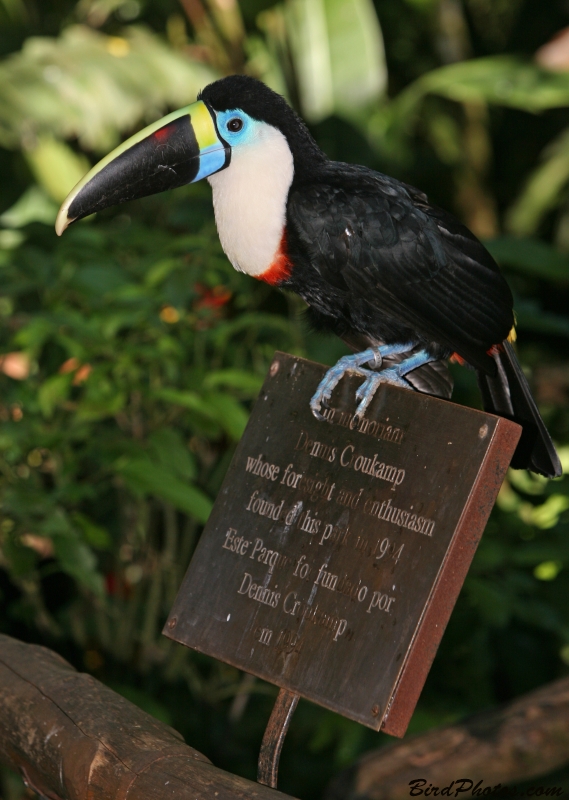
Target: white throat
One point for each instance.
(249, 200)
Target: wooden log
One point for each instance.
(515, 743)
(72, 738)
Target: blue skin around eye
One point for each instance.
(246, 133)
(212, 158)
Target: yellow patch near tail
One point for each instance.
(512, 336)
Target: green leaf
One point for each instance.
(9, 240)
(189, 400)
(145, 477)
(77, 560)
(548, 570)
(55, 166)
(95, 535)
(492, 601)
(249, 383)
(541, 615)
(21, 560)
(530, 256)
(357, 55)
(533, 553)
(490, 555)
(338, 55)
(101, 398)
(543, 190)
(92, 87)
(531, 317)
(33, 206)
(270, 325)
(160, 271)
(168, 446)
(219, 408)
(502, 80)
(52, 392)
(99, 279)
(547, 514)
(229, 413)
(498, 80)
(32, 336)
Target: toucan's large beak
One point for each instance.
(181, 148)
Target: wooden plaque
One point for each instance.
(336, 550)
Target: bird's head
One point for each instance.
(234, 116)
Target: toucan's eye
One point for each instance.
(234, 125)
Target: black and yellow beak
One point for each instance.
(181, 148)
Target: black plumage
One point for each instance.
(378, 264)
(389, 265)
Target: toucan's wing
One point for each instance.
(412, 262)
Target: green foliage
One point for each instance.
(130, 350)
(119, 325)
(338, 54)
(501, 80)
(544, 188)
(91, 87)
(532, 257)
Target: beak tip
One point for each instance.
(63, 221)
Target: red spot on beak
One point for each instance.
(162, 134)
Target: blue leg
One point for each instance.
(373, 356)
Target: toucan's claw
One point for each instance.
(332, 378)
(367, 390)
(365, 393)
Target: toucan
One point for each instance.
(402, 282)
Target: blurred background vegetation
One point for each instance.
(131, 352)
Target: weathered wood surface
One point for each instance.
(72, 738)
(518, 742)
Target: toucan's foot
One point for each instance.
(374, 357)
(335, 374)
(368, 389)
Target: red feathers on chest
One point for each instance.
(281, 267)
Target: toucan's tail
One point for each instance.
(508, 395)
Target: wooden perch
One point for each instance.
(71, 738)
(508, 745)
